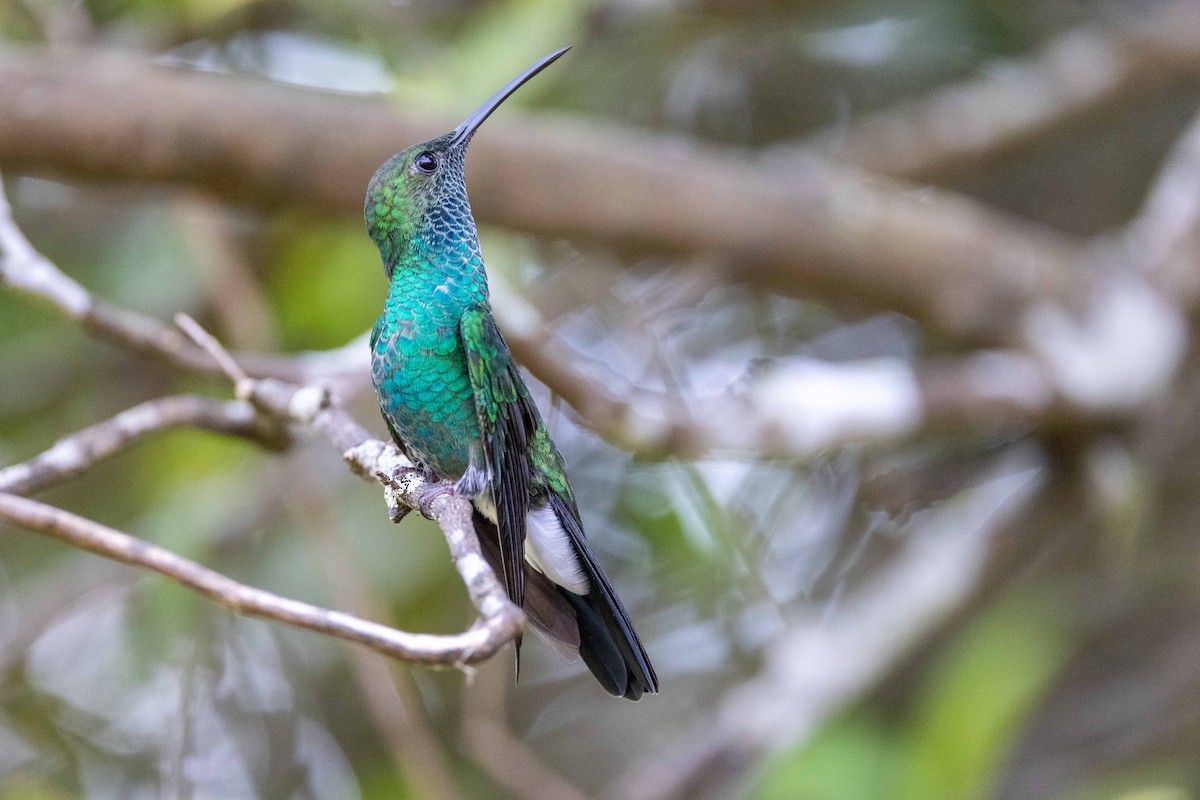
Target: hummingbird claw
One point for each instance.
(429, 494)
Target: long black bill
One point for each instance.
(462, 133)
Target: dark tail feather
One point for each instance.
(595, 626)
(599, 648)
(607, 641)
(549, 613)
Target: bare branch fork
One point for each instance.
(263, 412)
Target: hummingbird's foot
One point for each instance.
(431, 493)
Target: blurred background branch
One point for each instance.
(818, 230)
(815, 666)
(1082, 73)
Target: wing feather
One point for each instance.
(506, 417)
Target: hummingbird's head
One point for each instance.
(418, 198)
(412, 194)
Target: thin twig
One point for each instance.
(500, 621)
(321, 411)
(82, 450)
(208, 343)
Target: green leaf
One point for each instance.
(852, 758)
(977, 697)
(326, 282)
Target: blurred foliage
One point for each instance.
(959, 724)
(115, 684)
(315, 276)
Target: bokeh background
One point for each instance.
(996, 606)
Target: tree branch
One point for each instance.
(318, 409)
(471, 646)
(788, 413)
(84, 449)
(957, 129)
(817, 230)
(1128, 337)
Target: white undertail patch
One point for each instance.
(549, 549)
(484, 503)
(547, 546)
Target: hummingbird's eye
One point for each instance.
(426, 162)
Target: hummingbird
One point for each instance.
(456, 404)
